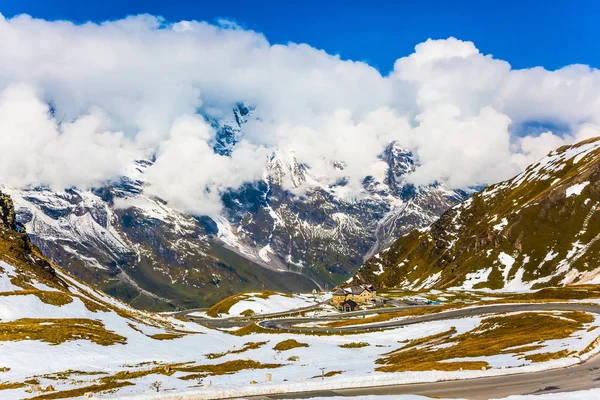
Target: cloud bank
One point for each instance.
(78, 103)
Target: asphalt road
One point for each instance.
(228, 322)
(578, 377)
(288, 323)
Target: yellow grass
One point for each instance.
(354, 345)
(11, 385)
(66, 394)
(495, 335)
(59, 330)
(246, 347)
(328, 374)
(288, 345)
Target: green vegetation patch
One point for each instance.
(59, 330)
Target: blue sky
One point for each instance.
(549, 33)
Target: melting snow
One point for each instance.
(272, 304)
(576, 189)
(508, 262)
(501, 224)
(474, 278)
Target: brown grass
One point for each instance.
(59, 330)
(199, 371)
(246, 347)
(288, 345)
(354, 345)
(541, 357)
(495, 335)
(252, 328)
(11, 385)
(328, 374)
(65, 394)
(229, 367)
(247, 313)
(166, 336)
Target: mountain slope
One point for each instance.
(285, 232)
(540, 228)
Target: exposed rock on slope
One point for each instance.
(269, 236)
(540, 228)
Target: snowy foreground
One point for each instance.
(153, 350)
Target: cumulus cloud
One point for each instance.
(37, 151)
(80, 102)
(191, 176)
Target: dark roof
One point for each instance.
(340, 292)
(351, 303)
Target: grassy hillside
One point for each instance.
(538, 229)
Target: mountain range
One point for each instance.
(150, 255)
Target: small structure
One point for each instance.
(348, 305)
(358, 294)
(362, 294)
(338, 297)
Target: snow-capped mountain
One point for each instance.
(141, 250)
(540, 228)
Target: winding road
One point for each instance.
(581, 376)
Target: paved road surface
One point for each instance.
(579, 377)
(288, 323)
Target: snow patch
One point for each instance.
(575, 190)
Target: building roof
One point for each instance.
(340, 292)
(359, 289)
(351, 303)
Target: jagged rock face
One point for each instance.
(540, 228)
(15, 245)
(229, 132)
(139, 249)
(8, 217)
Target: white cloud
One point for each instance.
(132, 87)
(189, 175)
(35, 151)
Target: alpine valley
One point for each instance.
(139, 249)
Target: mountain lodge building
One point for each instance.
(356, 294)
